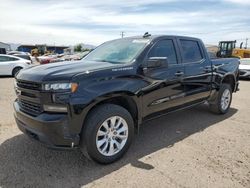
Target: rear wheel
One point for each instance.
(108, 133)
(15, 71)
(223, 100)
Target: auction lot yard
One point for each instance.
(191, 148)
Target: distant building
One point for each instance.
(57, 49)
(4, 48)
(26, 48)
(42, 48)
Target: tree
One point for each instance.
(85, 49)
(78, 48)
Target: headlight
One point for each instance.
(61, 86)
(57, 86)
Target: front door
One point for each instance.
(164, 91)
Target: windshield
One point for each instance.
(118, 51)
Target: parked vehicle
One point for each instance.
(17, 52)
(245, 68)
(26, 56)
(99, 103)
(2, 51)
(62, 57)
(14, 52)
(228, 49)
(11, 65)
(46, 59)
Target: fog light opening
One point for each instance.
(53, 108)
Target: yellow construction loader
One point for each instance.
(241, 53)
(228, 49)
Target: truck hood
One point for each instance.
(62, 70)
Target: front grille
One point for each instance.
(28, 85)
(30, 107)
(28, 94)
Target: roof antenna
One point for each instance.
(146, 35)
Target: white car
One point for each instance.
(244, 68)
(11, 65)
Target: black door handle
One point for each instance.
(179, 73)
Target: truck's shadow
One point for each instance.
(24, 163)
(6, 77)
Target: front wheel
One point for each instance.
(223, 100)
(108, 133)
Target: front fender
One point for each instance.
(92, 92)
(80, 107)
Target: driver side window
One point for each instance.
(164, 48)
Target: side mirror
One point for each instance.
(154, 62)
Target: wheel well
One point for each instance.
(18, 67)
(229, 80)
(125, 102)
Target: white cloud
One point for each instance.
(70, 22)
(242, 2)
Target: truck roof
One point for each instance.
(152, 37)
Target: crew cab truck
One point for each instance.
(99, 103)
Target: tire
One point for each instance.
(15, 71)
(115, 127)
(218, 106)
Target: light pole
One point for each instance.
(122, 34)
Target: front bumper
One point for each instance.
(49, 129)
(244, 73)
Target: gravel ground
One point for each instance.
(191, 148)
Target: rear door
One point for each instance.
(165, 90)
(7, 64)
(198, 70)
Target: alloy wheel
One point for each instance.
(225, 99)
(112, 136)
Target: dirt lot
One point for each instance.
(192, 148)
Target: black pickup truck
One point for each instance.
(98, 103)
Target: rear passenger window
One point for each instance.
(191, 51)
(3, 58)
(12, 59)
(164, 48)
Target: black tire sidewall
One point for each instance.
(94, 121)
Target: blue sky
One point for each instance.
(67, 22)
